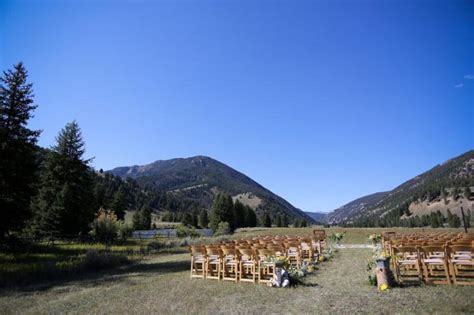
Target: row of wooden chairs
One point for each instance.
(444, 258)
(251, 260)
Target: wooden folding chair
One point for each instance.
(213, 262)
(266, 267)
(247, 265)
(293, 252)
(435, 264)
(405, 260)
(198, 261)
(461, 263)
(230, 264)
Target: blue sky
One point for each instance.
(320, 101)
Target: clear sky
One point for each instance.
(320, 101)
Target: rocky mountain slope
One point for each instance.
(446, 182)
(195, 181)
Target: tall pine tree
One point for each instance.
(119, 204)
(17, 149)
(239, 214)
(65, 204)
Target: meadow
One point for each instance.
(158, 282)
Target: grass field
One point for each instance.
(160, 283)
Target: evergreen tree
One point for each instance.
(203, 219)
(450, 218)
(216, 212)
(456, 221)
(119, 204)
(303, 223)
(285, 221)
(239, 214)
(279, 221)
(194, 219)
(187, 219)
(222, 211)
(65, 201)
(142, 218)
(17, 149)
(250, 217)
(267, 220)
(228, 211)
(444, 196)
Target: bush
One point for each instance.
(105, 226)
(222, 229)
(183, 231)
(124, 230)
(96, 260)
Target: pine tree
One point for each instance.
(194, 219)
(267, 220)
(187, 219)
(216, 212)
(228, 212)
(239, 214)
(64, 204)
(203, 219)
(119, 204)
(17, 149)
(141, 219)
(303, 223)
(450, 219)
(285, 221)
(250, 217)
(279, 222)
(222, 211)
(456, 221)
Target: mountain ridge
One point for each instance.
(198, 178)
(439, 182)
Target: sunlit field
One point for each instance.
(159, 282)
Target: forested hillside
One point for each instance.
(445, 185)
(187, 184)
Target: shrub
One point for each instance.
(155, 246)
(183, 231)
(105, 226)
(124, 230)
(222, 229)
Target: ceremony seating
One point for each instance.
(435, 257)
(253, 260)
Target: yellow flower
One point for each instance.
(321, 258)
(383, 287)
(310, 268)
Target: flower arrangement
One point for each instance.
(375, 238)
(379, 259)
(337, 237)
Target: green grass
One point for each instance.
(160, 283)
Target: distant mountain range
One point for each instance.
(439, 189)
(196, 180)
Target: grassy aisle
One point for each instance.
(162, 285)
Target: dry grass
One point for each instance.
(160, 284)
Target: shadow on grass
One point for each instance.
(87, 278)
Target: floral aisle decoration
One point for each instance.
(378, 265)
(337, 237)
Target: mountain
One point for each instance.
(441, 188)
(318, 216)
(193, 182)
(355, 207)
